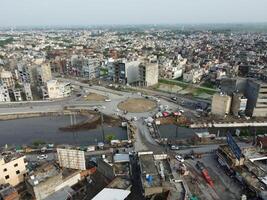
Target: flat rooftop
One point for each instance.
(148, 167)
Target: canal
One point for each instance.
(46, 129)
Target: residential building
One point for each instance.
(256, 93)
(7, 78)
(239, 104)
(12, 169)
(25, 73)
(4, 94)
(221, 105)
(7, 192)
(48, 179)
(148, 73)
(56, 89)
(28, 92)
(91, 68)
(17, 94)
(44, 73)
(193, 76)
(125, 72)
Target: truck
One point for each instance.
(205, 173)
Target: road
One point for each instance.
(208, 148)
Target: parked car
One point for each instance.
(174, 147)
(42, 157)
(107, 100)
(179, 158)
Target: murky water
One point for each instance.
(26, 131)
(172, 132)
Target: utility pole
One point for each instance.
(102, 128)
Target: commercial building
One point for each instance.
(4, 94)
(12, 169)
(56, 89)
(148, 73)
(48, 179)
(221, 104)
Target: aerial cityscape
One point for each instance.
(147, 101)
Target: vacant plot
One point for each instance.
(95, 97)
(137, 105)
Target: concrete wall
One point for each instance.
(105, 169)
(44, 189)
(132, 71)
(251, 93)
(221, 105)
(69, 181)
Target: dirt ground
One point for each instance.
(137, 105)
(95, 97)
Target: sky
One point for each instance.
(99, 12)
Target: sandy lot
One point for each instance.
(95, 97)
(137, 105)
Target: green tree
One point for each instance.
(110, 137)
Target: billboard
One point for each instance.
(71, 158)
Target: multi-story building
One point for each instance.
(44, 73)
(12, 169)
(193, 76)
(91, 68)
(48, 179)
(125, 72)
(4, 94)
(25, 73)
(56, 89)
(221, 105)
(7, 78)
(17, 94)
(256, 93)
(148, 73)
(239, 104)
(28, 91)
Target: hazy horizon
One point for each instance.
(126, 12)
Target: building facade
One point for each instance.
(221, 105)
(12, 170)
(57, 89)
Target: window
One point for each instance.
(5, 170)
(16, 165)
(7, 177)
(17, 172)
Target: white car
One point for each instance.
(42, 157)
(174, 147)
(179, 158)
(107, 100)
